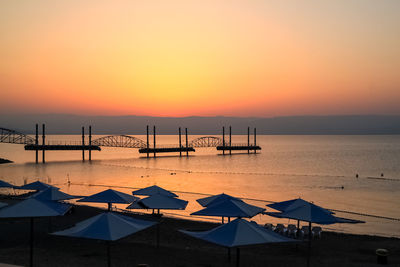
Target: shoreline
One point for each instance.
(176, 249)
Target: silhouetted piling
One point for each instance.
(90, 143)
(180, 142)
(83, 143)
(230, 140)
(43, 142)
(248, 139)
(255, 140)
(37, 143)
(223, 139)
(147, 135)
(187, 151)
(154, 141)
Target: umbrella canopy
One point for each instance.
(239, 233)
(107, 226)
(214, 199)
(159, 202)
(230, 208)
(32, 207)
(110, 196)
(290, 204)
(154, 190)
(2, 205)
(35, 186)
(5, 184)
(52, 194)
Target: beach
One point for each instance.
(176, 249)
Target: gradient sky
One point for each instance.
(182, 58)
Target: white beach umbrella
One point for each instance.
(35, 186)
(5, 184)
(214, 199)
(53, 194)
(106, 226)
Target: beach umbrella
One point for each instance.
(35, 186)
(106, 226)
(230, 208)
(154, 190)
(110, 196)
(53, 194)
(159, 202)
(5, 184)
(302, 210)
(2, 205)
(214, 199)
(239, 233)
(33, 208)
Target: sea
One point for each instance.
(356, 176)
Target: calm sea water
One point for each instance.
(321, 169)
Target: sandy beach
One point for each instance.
(176, 249)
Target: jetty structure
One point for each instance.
(228, 147)
(165, 149)
(125, 141)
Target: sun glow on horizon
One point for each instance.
(183, 58)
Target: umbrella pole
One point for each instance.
(158, 235)
(309, 244)
(222, 219)
(229, 255)
(109, 206)
(108, 254)
(237, 257)
(31, 243)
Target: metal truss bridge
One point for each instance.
(14, 137)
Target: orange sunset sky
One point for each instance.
(182, 58)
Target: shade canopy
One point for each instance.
(5, 184)
(215, 199)
(32, 207)
(110, 196)
(159, 202)
(2, 205)
(107, 226)
(154, 190)
(230, 208)
(302, 210)
(239, 233)
(52, 194)
(290, 204)
(35, 186)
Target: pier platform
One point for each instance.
(62, 147)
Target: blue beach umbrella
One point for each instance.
(239, 233)
(107, 226)
(33, 208)
(2, 205)
(230, 208)
(154, 190)
(302, 210)
(53, 194)
(35, 186)
(5, 184)
(214, 199)
(110, 196)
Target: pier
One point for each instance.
(183, 147)
(166, 148)
(238, 147)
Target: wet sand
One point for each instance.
(176, 249)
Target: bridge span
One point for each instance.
(124, 141)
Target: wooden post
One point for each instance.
(154, 142)
(248, 140)
(90, 143)
(83, 143)
(237, 257)
(37, 144)
(43, 142)
(31, 243)
(187, 150)
(255, 141)
(223, 140)
(309, 244)
(148, 145)
(230, 140)
(180, 143)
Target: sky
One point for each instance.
(244, 58)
